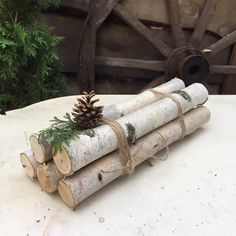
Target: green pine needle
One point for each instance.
(62, 132)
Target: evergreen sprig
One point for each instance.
(28, 54)
(62, 132)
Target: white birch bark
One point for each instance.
(49, 177)
(141, 100)
(85, 149)
(29, 164)
(43, 152)
(95, 176)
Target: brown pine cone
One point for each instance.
(85, 113)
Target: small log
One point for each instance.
(84, 150)
(90, 179)
(49, 177)
(43, 152)
(29, 163)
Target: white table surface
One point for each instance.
(191, 193)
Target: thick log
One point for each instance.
(90, 179)
(85, 149)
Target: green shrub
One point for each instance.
(28, 55)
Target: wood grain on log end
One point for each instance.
(63, 162)
(28, 164)
(66, 194)
(38, 149)
(47, 183)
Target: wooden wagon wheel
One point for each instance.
(187, 60)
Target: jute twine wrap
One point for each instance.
(180, 111)
(125, 156)
(123, 147)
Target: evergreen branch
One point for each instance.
(29, 60)
(62, 132)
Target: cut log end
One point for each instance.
(38, 149)
(66, 194)
(27, 165)
(63, 162)
(47, 183)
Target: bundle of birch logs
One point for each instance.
(157, 118)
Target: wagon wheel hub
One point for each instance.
(187, 63)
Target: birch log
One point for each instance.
(85, 149)
(29, 164)
(141, 100)
(43, 152)
(49, 177)
(91, 178)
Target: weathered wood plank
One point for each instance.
(130, 63)
(123, 73)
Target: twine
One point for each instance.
(167, 148)
(125, 156)
(123, 147)
(179, 108)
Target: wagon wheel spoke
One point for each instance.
(202, 23)
(175, 21)
(99, 11)
(221, 44)
(130, 63)
(137, 25)
(223, 69)
(229, 84)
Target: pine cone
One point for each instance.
(85, 113)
